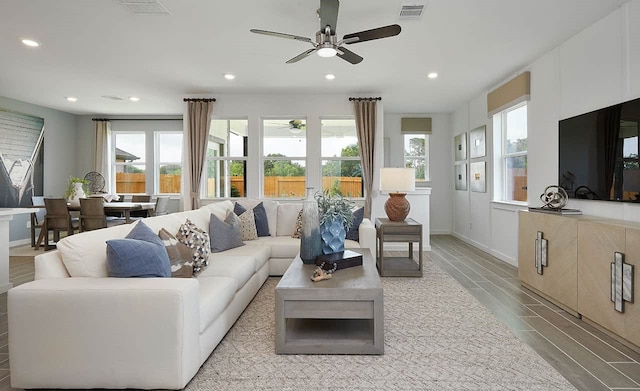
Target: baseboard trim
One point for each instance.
(20, 242)
(504, 258)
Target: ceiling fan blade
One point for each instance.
(301, 56)
(282, 35)
(349, 56)
(377, 33)
(329, 15)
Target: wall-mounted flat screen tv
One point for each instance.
(599, 154)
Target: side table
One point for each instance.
(408, 231)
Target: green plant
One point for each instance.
(71, 190)
(333, 207)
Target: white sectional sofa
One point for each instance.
(75, 327)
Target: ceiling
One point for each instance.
(95, 48)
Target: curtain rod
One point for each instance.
(136, 119)
(199, 99)
(359, 99)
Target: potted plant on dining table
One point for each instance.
(76, 189)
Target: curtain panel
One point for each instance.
(365, 114)
(198, 124)
(102, 153)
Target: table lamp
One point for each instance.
(397, 181)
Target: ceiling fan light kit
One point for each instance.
(326, 44)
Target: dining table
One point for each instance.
(124, 207)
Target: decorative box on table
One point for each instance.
(341, 259)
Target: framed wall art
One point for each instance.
(460, 144)
(477, 143)
(477, 177)
(461, 176)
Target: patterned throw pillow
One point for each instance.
(180, 255)
(198, 241)
(260, 217)
(298, 232)
(248, 226)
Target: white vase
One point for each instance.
(78, 192)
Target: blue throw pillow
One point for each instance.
(225, 234)
(354, 233)
(260, 217)
(140, 254)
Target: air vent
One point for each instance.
(145, 7)
(112, 97)
(412, 11)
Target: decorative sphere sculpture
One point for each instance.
(554, 197)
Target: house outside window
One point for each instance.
(341, 166)
(130, 162)
(284, 161)
(510, 127)
(226, 167)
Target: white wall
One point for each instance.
(598, 67)
(60, 150)
(439, 214)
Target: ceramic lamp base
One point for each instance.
(397, 207)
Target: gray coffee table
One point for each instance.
(342, 315)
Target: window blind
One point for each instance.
(512, 92)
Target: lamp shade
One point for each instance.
(397, 180)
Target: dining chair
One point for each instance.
(57, 219)
(140, 198)
(37, 221)
(162, 204)
(92, 215)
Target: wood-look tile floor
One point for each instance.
(588, 358)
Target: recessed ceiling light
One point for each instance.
(432, 75)
(134, 98)
(30, 42)
(71, 98)
(229, 76)
(329, 76)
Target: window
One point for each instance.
(227, 158)
(284, 146)
(341, 167)
(168, 162)
(146, 156)
(416, 154)
(130, 162)
(510, 127)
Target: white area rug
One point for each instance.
(437, 337)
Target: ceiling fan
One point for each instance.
(326, 43)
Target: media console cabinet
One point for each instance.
(589, 266)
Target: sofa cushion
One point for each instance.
(353, 232)
(140, 254)
(248, 230)
(225, 234)
(271, 207)
(198, 241)
(215, 294)
(238, 267)
(220, 208)
(284, 247)
(180, 256)
(259, 216)
(170, 222)
(286, 223)
(259, 252)
(86, 255)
